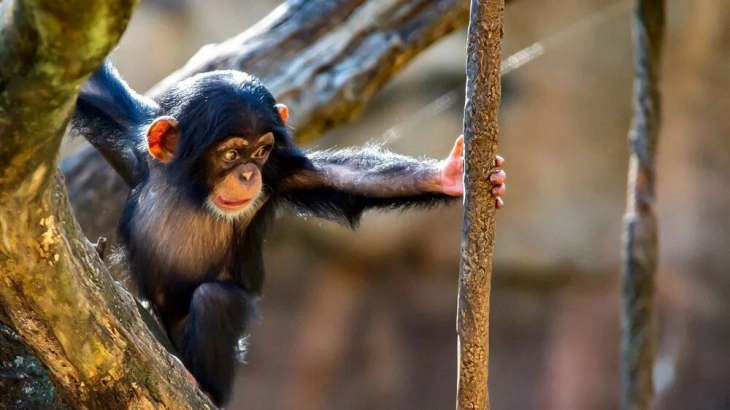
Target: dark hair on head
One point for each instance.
(212, 106)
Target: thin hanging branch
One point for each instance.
(483, 94)
(638, 343)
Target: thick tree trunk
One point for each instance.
(325, 59)
(55, 295)
(481, 130)
(24, 382)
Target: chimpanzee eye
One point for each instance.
(261, 151)
(230, 155)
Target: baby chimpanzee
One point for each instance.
(208, 164)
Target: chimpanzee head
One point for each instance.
(215, 133)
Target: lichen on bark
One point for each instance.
(55, 293)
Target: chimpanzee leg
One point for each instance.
(209, 341)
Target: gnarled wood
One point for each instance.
(327, 58)
(55, 292)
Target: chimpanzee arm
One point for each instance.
(341, 184)
(368, 172)
(109, 115)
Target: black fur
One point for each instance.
(202, 273)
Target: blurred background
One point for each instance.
(366, 319)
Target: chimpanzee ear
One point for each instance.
(283, 112)
(162, 138)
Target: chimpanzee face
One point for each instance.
(217, 132)
(233, 168)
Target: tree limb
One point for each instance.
(325, 59)
(55, 290)
(638, 340)
(23, 380)
(481, 131)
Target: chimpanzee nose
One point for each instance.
(247, 175)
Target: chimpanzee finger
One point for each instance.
(498, 177)
(498, 161)
(458, 150)
(499, 190)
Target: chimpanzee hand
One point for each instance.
(451, 177)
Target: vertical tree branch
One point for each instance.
(483, 93)
(638, 342)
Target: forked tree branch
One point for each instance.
(56, 297)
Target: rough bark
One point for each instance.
(24, 383)
(325, 59)
(56, 296)
(328, 57)
(481, 131)
(638, 341)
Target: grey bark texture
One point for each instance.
(481, 131)
(639, 250)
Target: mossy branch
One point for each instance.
(55, 293)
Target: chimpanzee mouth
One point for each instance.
(233, 210)
(230, 205)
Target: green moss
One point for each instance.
(139, 373)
